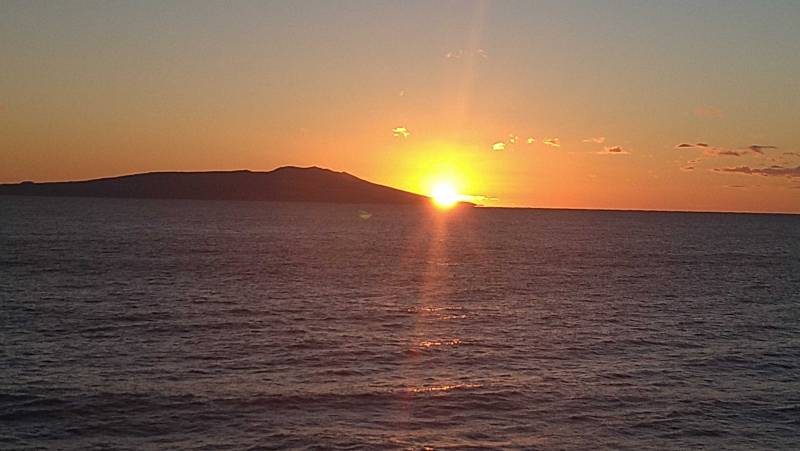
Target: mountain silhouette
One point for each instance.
(289, 183)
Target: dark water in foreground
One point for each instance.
(140, 324)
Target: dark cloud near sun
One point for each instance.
(769, 171)
(613, 150)
(759, 149)
(692, 146)
(710, 151)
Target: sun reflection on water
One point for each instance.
(434, 343)
(441, 388)
(433, 321)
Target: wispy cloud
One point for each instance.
(531, 140)
(613, 150)
(715, 152)
(792, 154)
(401, 132)
(552, 142)
(769, 171)
(711, 151)
(499, 146)
(690, 165)
(691, 146)
(596, 140)
(458, 54)
(478, 198)
(759, 149)
(707, 112)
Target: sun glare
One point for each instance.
(444, 195)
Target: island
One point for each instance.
(287, 184)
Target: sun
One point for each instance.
(444, 195)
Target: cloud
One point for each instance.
(613, 150)
(597, 140)
(479, 198)
(401, 132)
(510, 142)
(792, 154)
(769, 171)
(719, 151)
(707, 150)
(458, 54)
(691, 146)
(707, 112)
(553, 142)
(759, 149)
(713, 152)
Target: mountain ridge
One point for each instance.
(286, 183)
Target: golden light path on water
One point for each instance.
(433, 310)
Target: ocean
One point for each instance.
(161, 324)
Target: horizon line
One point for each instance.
(507, 207)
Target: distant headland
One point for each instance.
(287, 184)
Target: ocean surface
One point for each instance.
(158, 324)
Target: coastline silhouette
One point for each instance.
(288, 183)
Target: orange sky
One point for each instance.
(646, 105)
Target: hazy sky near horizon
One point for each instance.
(629, 104)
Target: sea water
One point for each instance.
(158, 324)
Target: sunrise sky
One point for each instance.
(598, 104)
